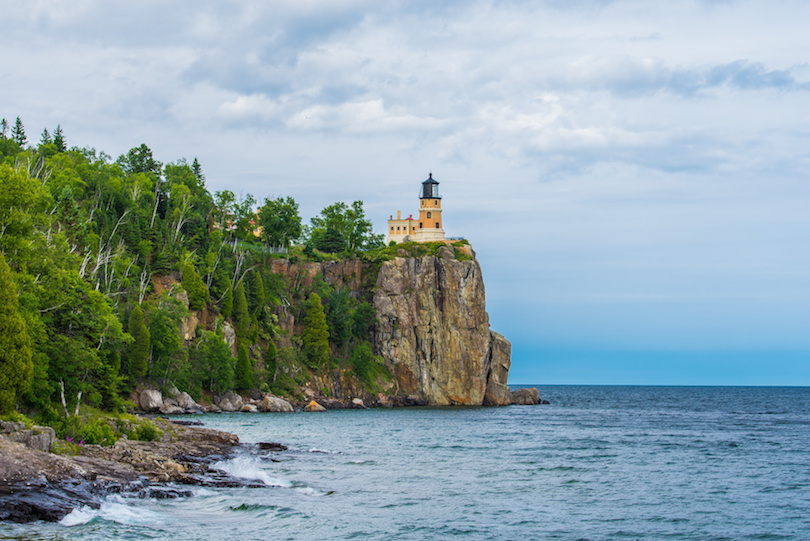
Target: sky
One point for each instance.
(633, 175)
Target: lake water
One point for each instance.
(599, 463)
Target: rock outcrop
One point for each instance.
(150, 400)
(433, 331)
(274, 404)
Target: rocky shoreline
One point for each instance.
(36, 484)
(151, 401)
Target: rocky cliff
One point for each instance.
(434, 334)
(433, 329)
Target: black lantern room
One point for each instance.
(430, 189)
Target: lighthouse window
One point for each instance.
(436, 203)
(437, 225)
(428, 215)
(420, 225)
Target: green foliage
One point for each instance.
(280, 221)
(138, 354)
(241, 316)
(256, 299)
(212, 362)
(16, 368)
(164, 317)
(367, 366)
(363, 320)
(329, 240)
(195, 287)
(18, 132)
(145, 431)
(338, 317)
(85, 431)
(88, 241)
(347, 224)
(244, 370)
(315, 339)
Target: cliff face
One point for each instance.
(434, 334)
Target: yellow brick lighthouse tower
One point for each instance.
(430, 212)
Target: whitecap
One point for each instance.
(113, 510)
(246, 467)
(80, 515)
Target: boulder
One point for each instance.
(150, 400)
(249, 408)
(39, 438)
(230, 401)
(274, 404)
(358, 404)
(314, 406)
(526, 397)
(185, 401)
(226, 405)
(169, 409)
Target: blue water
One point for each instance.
(599, 463)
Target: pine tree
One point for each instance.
(59, 139)
(316, 333)
(138, 355)
(195, 287)
(244, 370)
(241, 316)
(195, 167)
(226, 304)
(3, 129)
(45, 138)
(18, 132)
(256, 294)
(16, 368)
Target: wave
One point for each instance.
(114, 509)
(248, 467)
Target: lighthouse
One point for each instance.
(428, 228)
(430, 212)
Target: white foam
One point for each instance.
(247, 467)
(314, 450)
(114, 510)
(80, 515)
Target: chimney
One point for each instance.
(399, 215)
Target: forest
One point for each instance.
(86, 242)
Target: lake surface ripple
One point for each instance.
(599, 463)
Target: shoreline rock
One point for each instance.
(39, 485)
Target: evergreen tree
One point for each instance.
(3, 129)
(45, 138)
(256, 293)
(16, 368)
(18, 132)
(241, 316)
(226, 304)
(138, 355)
(195, 287)
(195, 167)
(244, 370)
(316, 333)
(59, 139)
